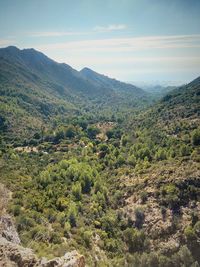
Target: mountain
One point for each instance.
(182, 103)
(159, 91)
(129, 198)
(106, 82)
(175, 113)
(35, 89)
(121, 192)
(162, 189)
(92, 167)
(59, 78)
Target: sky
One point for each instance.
(130, 40)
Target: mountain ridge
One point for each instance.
(104, 80)
(39, 87)
(35, 59)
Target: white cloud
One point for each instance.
(6, 42)
(127, 44)
(56, 34)
(125, 57)
(109, 28)
(133, 61)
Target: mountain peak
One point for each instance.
(12, 47)
(86, 69)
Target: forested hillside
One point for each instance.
(37, 92)
(122, 88)
(116, 180)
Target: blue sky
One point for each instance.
(131, 40)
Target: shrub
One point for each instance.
(72, 215)
(144, 196)
(87, 235)
(76, 191)
(170, 196)
(184, 150)
(109, 222)
(67, 228)
(196, 155)
(111, 245)
(92, 132)
(16, 210)
(135, 239)
(139, 217)
(55, 238)
(39, 233)
(86, 182)
(185, 256)
(120, 160)
(189, 233)
(196, 137)
(132, 160)
(161, 154)
(24, 223)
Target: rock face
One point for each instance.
(7, 229)
(70, 259)
(12, 254)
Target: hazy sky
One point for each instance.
(130, 40)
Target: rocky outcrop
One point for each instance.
(70, 259)
(14, 255)
(7, 229)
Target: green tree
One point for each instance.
(135, 240)
(196, 137)
(86, 182)
(161, 154)
(70, 131)
(184, 150)
(44, 178)
(93, 131)
(76, 191)
(139, 217)
(72, 214)
(60, 134)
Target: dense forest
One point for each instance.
(98, 165)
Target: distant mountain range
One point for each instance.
(35, 88)
(35, 91)
(58, 78)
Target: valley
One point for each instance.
(99, 166)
